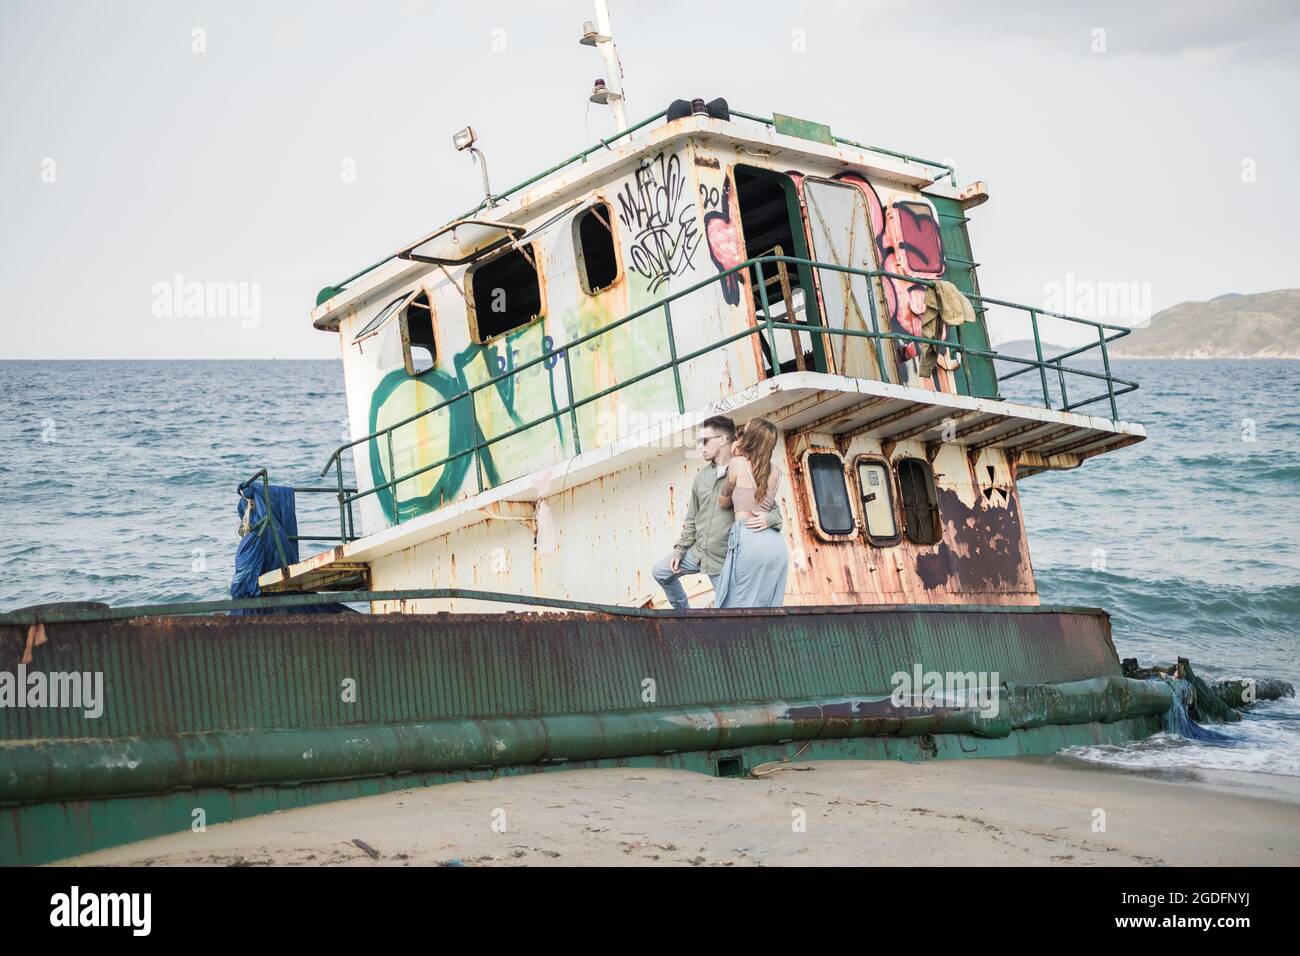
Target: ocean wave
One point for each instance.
(1266, 740)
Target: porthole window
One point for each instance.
(597, 258)
(419, 347)
(920, 500)
(830, 493)
(876, 492)
(505, 293)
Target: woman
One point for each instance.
(757, 559)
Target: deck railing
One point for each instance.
(260, 478)
(766, 328)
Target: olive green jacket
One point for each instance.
(708, 524)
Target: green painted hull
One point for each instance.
(240, 716)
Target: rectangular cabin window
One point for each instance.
(419, 348)
(505, 293)
(830, 493)
(877, 496)
(597, 258)
(920, 500)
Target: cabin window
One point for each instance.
(597, 258)
(876, 491)
(382, 316)
(419, 347)
(920, 500)
(505, 293)
(830, 493)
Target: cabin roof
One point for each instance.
(548, 191)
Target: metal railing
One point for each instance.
(765, 326)
(346, 528)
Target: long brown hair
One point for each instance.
(755, 443)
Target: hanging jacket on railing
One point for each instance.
(945, 303)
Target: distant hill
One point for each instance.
(1259, 325)
(1024, 348)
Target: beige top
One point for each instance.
(742, 498)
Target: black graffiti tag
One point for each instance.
(664, 232)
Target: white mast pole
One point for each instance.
(613, 72)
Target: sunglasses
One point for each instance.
(704, 441)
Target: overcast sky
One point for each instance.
(1149, 143)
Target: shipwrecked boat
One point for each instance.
(526, 382)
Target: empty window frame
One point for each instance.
(920, 500)
(876, 492)
(419, 344)
(593, 234)
(505, 293)
(830, 493)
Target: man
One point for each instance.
(702, 547)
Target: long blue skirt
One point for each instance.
(755, 570)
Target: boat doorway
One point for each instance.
(772, 225)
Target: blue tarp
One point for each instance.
(267, 546)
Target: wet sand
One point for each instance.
(873, 813)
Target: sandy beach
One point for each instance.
(963, 812)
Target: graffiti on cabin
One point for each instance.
(511, 403)
(533, 400)
(723, 236)
(995, 491)
(423, 442)
(907, 242)
(663, 231)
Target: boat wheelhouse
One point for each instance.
(525, 382)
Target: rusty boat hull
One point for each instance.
(237, 716)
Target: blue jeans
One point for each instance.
(668, 579)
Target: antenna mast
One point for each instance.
(608, 91)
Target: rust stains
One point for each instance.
(981, 550)
(982, 553)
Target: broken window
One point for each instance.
(920, 500)
(877, 496)
(505, 293)
(830, 493)
(597, 258)
(419, 348)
